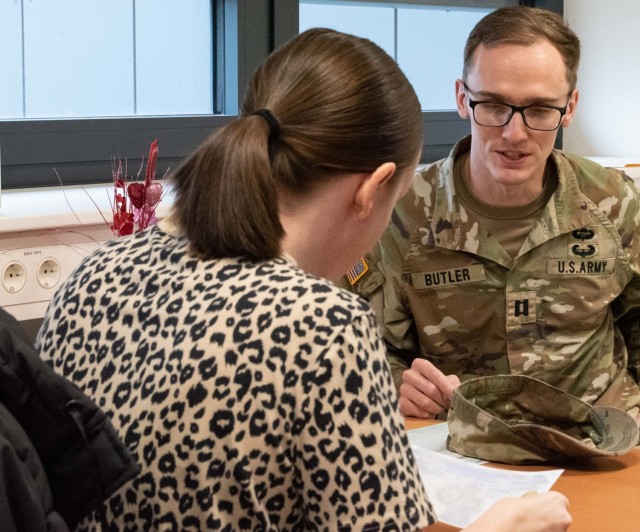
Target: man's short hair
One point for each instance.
(525, 26)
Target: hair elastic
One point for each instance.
(274, 127)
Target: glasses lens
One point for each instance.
(497, 115)
(543, 118)
(491, 114)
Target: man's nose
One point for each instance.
(515, 128)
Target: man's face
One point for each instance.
(514, 155)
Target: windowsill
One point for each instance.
(630, 165)
(44, 208)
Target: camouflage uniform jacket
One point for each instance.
(565, 310)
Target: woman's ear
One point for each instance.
(366, 191)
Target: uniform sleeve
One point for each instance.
(627, 305)
(394, 318)
(383, 283)
(380, 286)
(357, 471)
(630, 328)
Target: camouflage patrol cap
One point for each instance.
(517, 419)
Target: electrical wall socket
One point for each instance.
(14, 277)
(33, 264)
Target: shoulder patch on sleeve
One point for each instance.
(357, 271)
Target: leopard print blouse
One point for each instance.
(254, 395)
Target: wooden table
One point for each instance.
(603, 493)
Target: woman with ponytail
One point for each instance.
(253, 391)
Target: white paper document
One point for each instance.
(461, 491)
(434, 438)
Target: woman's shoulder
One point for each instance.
(308, 290)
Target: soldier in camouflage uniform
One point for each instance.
(511, 257)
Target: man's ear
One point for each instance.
(571, 109)
(461, 96)
(366, 192)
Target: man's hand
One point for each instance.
(425, 390)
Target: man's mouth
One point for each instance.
(513, 155)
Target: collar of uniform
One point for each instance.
(571, 208)
(565, 211)
(445, 222)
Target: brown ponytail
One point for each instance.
(339, 104)
(226, 197)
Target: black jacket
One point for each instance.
(60, 457)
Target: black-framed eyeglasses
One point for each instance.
(538, 117)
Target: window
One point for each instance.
(426, 38)
(408, 34)
(145, 85)
(85, 80)
(56, 66)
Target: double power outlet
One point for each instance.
(34, 264)
(47, 273)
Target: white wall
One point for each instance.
(608, 116)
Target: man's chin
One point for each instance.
(507, 176)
